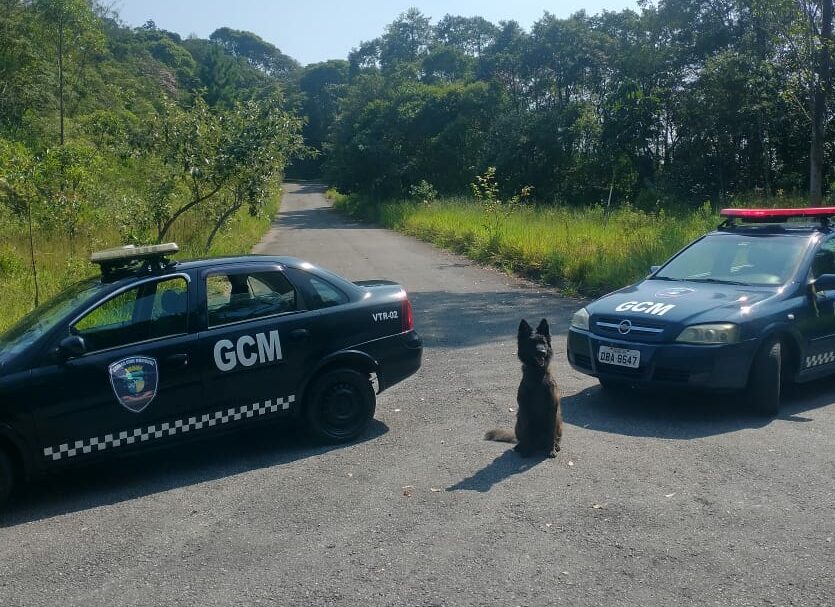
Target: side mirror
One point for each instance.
(654, 269)
(824, 282)
(72, 347)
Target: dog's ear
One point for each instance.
(525, 329)
(544, 330)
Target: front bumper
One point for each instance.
(719, 367)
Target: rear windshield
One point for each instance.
(755, 260)
(43, 318)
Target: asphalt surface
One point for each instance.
(654, 499)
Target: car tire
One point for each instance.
(340, 405)
(7, 477)
(764, 381)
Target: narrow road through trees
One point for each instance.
(654, 499)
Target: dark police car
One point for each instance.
(155, 350)
(746, 307)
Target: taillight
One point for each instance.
(408, 317)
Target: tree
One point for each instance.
(804, 28)
(819, 16)
(72, 29)
(321, 86)
(406, 39)
(204, 150)
(471, 35)
(259, 53)
(17, 60)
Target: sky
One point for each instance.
(317, 30)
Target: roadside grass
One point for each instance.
(61, 261)
(583, 251)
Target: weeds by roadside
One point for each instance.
(583, 251)
(59, 264)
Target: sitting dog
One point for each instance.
(538, 417)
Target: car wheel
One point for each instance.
(6, 477)
(340, 405)
(763, 391)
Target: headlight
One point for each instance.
(580, 320)
(719, 333)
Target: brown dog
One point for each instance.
(538, 417)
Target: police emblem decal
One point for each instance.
(135, 381)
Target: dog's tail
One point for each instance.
(503, 436)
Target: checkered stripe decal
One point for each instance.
(179, 426)
(820, 359)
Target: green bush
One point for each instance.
(11, 264)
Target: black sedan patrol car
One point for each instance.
(746, 307)
(155, 350)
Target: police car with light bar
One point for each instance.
(154, 350)
(746, 308)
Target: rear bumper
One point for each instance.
(720, 368)
(399, 357)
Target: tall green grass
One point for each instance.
(61, 262)
(583, 251)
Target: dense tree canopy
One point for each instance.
(100, 122)
(681, 100)
(684, 100)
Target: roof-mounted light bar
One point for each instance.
(764, 214)
(132, 259)
(821, 215)
(129, 252)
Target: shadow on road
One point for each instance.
(320, 218)
(129, 477)
(506, 465)
(685, 416)
(460, 320)
(305, 187)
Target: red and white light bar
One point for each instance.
(764, 214)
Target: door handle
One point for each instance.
(179, 360)
(299, 334)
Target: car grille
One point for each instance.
(641, 330)
(618, 370)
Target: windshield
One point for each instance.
(43, 318)
(754, 260)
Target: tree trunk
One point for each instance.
(32, 252)
(167, 225)
(821, 88)
(61, 78)
(220, 223)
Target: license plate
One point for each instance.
(619, 356)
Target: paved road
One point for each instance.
(664, 500)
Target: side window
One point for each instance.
(149, 311)
(824, 259)
(326, 294)
(169, 315)
(318, 292)
(235, 297)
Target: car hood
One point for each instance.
(681, 302)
